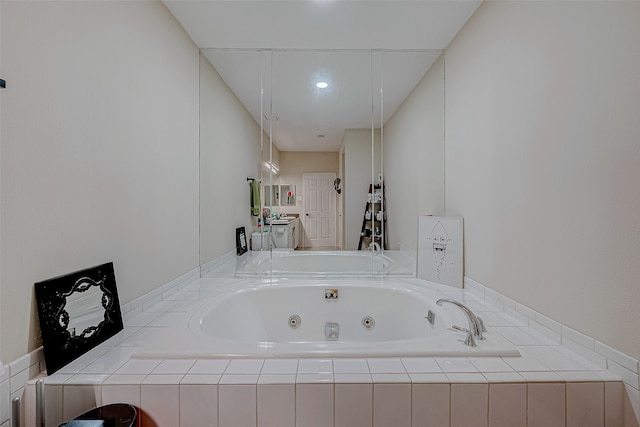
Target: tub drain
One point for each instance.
(368, 322)
(295, 321)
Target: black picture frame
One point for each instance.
(241, 241)
(62, 344)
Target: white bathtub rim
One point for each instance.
(187, 345)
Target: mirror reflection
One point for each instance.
(83, 311)
(322, 116)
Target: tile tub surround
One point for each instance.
(555, 382)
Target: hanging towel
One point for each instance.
(255, 197)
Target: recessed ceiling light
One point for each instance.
(322, 85)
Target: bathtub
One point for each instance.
(327, 263)
(320, 319)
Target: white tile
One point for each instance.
(17, 381)
(353, 405)
(549, 323)
(514, 316)
(323, 377)
(276, 405)
(422, 365)
(545, 405)
(276, 379)
(541, 377)
(589, 355)
(526, 311)
(350, 366)
(392, 405)
(280, 366)
(504, 377)
(111, 361)
(617, 356)
(239, 379)
(508, 302)
(140, 337)
(78, 399)
(492, 319)
(469, 404)
(540, 335)
(613, 404)
(555, 359)
(139, 366)
(236, 405)
(174, 366)
(87, 379)
(385, 366)
(121, 394)
(19, 365)
(124, 380)
(507, 405)
(391, 378)
(161, 404)
(141, 319)
(555, 337)
(578, 337)
(314, 405)
(428, 378)
(585, 404)
(315, 366)
(352, 378)
(4, 401)
(200, 379)
(490, 364)
(162, 379)
(525, 362)
(628, 377)
(455, 364)
(466, 377)
(580, 376)
(244, 366)
(198, 405)
(56, 379)
(53, 403)
(430, 404)
(632, 405)
(83, 361)
(214, 366)
(516, 335)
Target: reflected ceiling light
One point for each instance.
(322, 85)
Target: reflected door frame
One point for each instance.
(319, 224)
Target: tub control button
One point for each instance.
(368, 322)
(295, 321)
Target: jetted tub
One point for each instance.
(327, 263)
(360, 319)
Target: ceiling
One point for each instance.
(356, 46)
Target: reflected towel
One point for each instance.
(255, 197)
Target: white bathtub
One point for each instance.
(256, 320)
(327, 263)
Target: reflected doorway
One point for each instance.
(319, 210)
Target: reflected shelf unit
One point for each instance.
(374, 219)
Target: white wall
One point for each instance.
(229, 154)
(414, 159)
(355, 187)
(542, 149)
(99, 150)
(294, 163)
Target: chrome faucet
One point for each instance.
(476, 325)
(375, 247)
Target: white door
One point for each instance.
(319, 209)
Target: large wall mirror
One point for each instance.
(351, 151)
